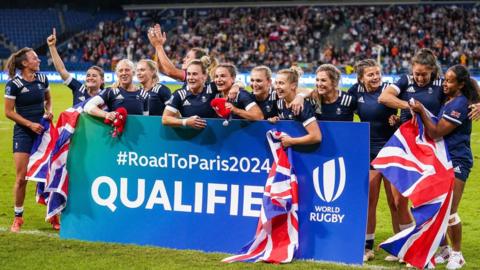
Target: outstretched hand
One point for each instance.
(156, 36)
(52, 39)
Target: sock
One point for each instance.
(406, 226)
(18, 211)
(369, 240)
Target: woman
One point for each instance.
(122, 94)
(27, 100)
(331, 103)
(424, 85)
(242, 106)
(147, 74)
(263, 92)
(94, 81)
(286, 84)
(366, 93)
(158, 38)
(455, 127)
(190, 104)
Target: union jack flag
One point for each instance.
(421, 169)
(48, 160)
(276, 238)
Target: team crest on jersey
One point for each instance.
(186, 103)
(339, 111)
(39, 86)
(268, 108)
(361, 100)
(430, 90)
(204, 99)
(24, 90)
(119, 97)
(455, 114)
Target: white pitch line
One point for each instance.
(32, 232)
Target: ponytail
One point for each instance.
(470, 86)
(426, 57)
(15, 60)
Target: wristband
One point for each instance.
(184, 122)
(303, 95)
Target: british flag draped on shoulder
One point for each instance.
(276, 238)
(421, 169)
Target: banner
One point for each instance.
(187, 189)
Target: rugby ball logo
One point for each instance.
(331, 188)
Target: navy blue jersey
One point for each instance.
(134, 102)
(369, 110)
(306, 116)
(269, 105)
(188, 104)
(159, 94)
(458, 141)
(79, 90)
(29, 96)
(340, 110)
(431, 95)
(243, 101)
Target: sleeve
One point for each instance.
(146, 104)
(164, 94)
(73, 83)
(106, 95)
(174, 103)
(456, 111)
(308, 114)
(11, 90)
(353, 90)
(47, 84)
(401, 85)
(246, 100)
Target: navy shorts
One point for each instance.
(373, 154)
(462, 169)
(23, 139)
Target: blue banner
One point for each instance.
(188, 189)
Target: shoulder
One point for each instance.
(41, 77)
(345, 99)
(15, 83)
(143, 93)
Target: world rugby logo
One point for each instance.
(331, 189)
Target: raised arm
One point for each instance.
(57, 61)
(157, 39)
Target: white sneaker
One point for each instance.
(368, 255)
(456, 260)
(443, 254)
(391, 258)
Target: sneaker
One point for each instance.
(368, 255)
(443, 254)
(391, 258)
(55, 223)
(456, 260)
(17, 224)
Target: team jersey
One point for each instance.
(340, 110)
(79, 90)
(135, 102)
(159, 94)
(29, 96)
(306, 116)
(458, 141)
(243, 101)
(188, 104)
(431, 95)
(377, 114)
(269, 105)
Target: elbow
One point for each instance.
(317, 138)
(89, 107)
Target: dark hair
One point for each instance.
(101, 72)
(199, 52)
(15, 60)
(470, 86)
(230, 67)
(361, 65)
(426, 57)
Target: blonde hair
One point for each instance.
(152, 65)
(332, 72)
(267, 71)
(129, 63)
(15, 60)
(293, 74)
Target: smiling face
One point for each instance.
(260, 82)
(188, 57)
(32, 62)
(195, 78)
(422, 74)
(125, 74)
(94, 79)
(223, 79)
(323, 83)
(285, 89)
(371, 78)
(451, 87)
(144, 72)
